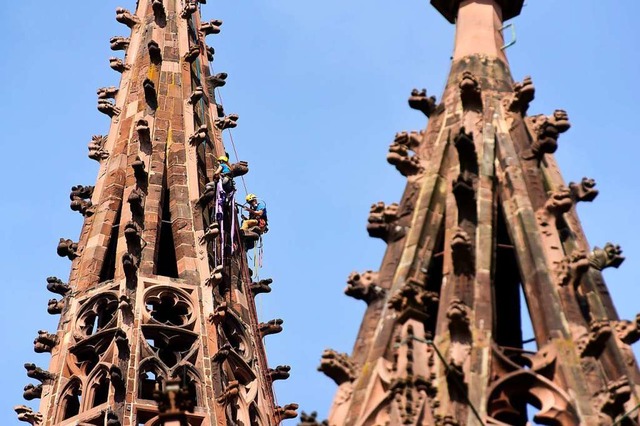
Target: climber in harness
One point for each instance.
(223, 172)
(256, 224)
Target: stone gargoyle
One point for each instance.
(217, 80)
(337, 366)
(108, 108)
(211, 27)
(364, 286)
(67, 248)
(118, 64)
(419, 101)
(44, 342)
(227, 122)
(607, 257)
(281, 372)
(127, 18)
(119, 43)
(262, 286)
(271, 327)
(96, 148)
(26, 414)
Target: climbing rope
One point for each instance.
(235, 152)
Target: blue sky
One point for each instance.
(321, 88)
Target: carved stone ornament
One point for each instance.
(238, 169)
(155, 53)
(150, 94)
(382, 222)
(611, 399)
(227, 122)
(118, 64)
(546, 132)
(607, 257)
(559, 202)
(67, 248)
(470, 92)
(211, 27)
(192, 54)
(96, 148)
(262, 286)
(523, 93)
(108, 108)
(364, 287)
(231, 392)
(189, 9)
(196, 95)
(144, 133)
(199, 136)
(571, 268)
(210, 52)
(55, 307)
(419, 101)
(26, 414)
(107, 92)
(139, 171)
(627, 331)
(55, 285)
(35, 372)
(311, 420)
(583, 191)
(281, 372)
(271, 327)
(127, 18)
(400, 153)
(158, 7)
(211, 233)
(81, 199)
(412, 300)
(462, 252)
(136, 201)
(119, 43)
(130, 264)
(337, 366)
(32, 391)
(289, 411)
(216, 278)
(44, 342)
(593, 342)
(217, 80)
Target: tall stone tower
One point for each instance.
(485, 216)
(160, 289)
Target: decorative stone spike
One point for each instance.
(419, 101)
(272, 327)
(125, 17)
(119, 43)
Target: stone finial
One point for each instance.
(107, 92)
(281, 372)
(201, 135)
(155, 53)
(272, 327)
(196, 95)
(227, 122)
(44, 342)
(583, 191)
(127, 18)
(67, 248)
(470, 92)
(571, 268)
(523, 93)
(218, 80)
(119, 43)
(262, 286)
(609, 256)
(35, 372)
(32, 391)
(118, 64)
(211, 27)
(337, 366)
(108, 108)
(364, 286)
(55, 285)
(400, 153)
(382, 222)
(26, 414)
(419, 101)
(96, 148)
(311, 420)
(289, 411)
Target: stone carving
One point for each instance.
(216, 278)
(464, 185)
(127, 18)
(38, 373)
(458, 315)
(627, 331)
(130, 265)
(116, 377)
(364, 287)
(211, 27)
(81, 199)
(200, 136)
(272, 327)
(217, 80)
(593, 342)
(289, 411)
(583, 191)
(230, 393)
(262, 286)
(311, 420)
(26, 414)
(107, 92)
(55, 307)
(400, 153)
(462, 252)
(122, 341)
(419, 101)
(150, 93)
(132, 234)
(337, 366)
(523, 93)
(227, 122)
(559, 202)
(44, 342)
(118, 64)
(413, 300)
(112, 419)
(196, 95)
(155, 53)
(222, 354)
(67, 248)
(219, 314)
(238, 169)
(108, 108)
(119, 43)
(158, 7)
(611, 399)
(135, 200)
(609, 256)
(32, 391)
(382, 222)
(189, 9)
(144, 133)
(546, 133)
(139, 171)
(96, 148)
(281, 372)
(192, 54)
(55, 285)
(571, 268)
(211, 233)
(210, 53)
(470, 92)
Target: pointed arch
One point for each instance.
(70, 401)
(150, 373)
(192, 379)
(98, 386)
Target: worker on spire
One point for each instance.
(256, 224)
(223, 172)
